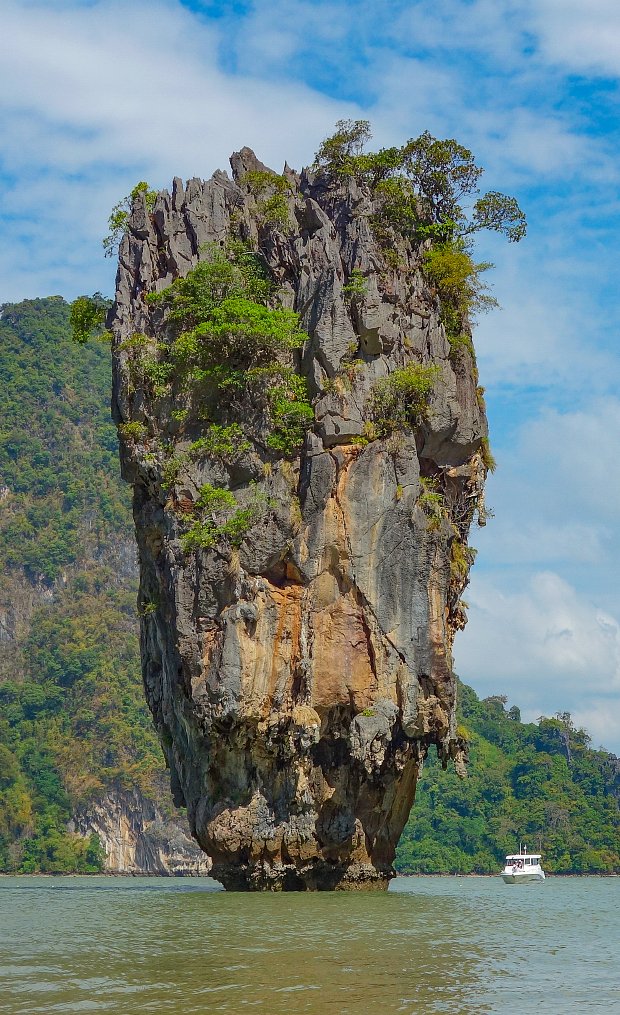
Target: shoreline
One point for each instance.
(178, 877)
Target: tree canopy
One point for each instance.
(422, 183)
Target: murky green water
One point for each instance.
(458, 945)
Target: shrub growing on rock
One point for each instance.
(401, 400)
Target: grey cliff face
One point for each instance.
(297, 683)
(137, 838)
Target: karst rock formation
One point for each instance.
(297, 681)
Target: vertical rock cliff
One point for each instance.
(137, 837)
(297, 677)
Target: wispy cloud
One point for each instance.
(544, 597)
(579, 37)
(545, 646)
(97, 97)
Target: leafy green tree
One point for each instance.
(500, 213)
(426, 177)
(337, 153)
(419, 192)
(442, 173)
(87, 315)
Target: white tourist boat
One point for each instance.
(522, 868)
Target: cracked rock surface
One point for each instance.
(297, 683)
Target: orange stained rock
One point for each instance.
(342, 670)
(286, 641)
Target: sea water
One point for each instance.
(184, 946)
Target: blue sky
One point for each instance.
(96, 95)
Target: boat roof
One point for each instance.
(522, 856)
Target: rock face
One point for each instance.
(298, 682)
(138, 838)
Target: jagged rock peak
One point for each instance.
(245, 161)
(298, 672)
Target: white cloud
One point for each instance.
(129, 84)
(584, 37)
(94, 98)
(545, 646)
(577, 35)
(485, 25)
(554, 329)
(578, 452)
(544, 595)
(542, 542)
(601, 718)
(560, 481)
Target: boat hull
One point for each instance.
(523, 878)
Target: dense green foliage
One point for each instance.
(72, 723)
(87, 316)
(537, 783)
(58, 447)
(420, 191)
(72, 715)
(231, 339)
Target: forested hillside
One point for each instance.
(536, 783)
(72, 717)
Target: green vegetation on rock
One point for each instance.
(425, 192)
(401, 400)
(271, 189)
(117, 221)
(217, 517)
(231, 349)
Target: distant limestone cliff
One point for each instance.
(136, 837)
(303, 492)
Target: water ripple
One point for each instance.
(167, 947)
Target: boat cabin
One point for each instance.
(523, 859)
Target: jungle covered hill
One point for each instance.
(73, 721)
(538, 783)
(72, 717)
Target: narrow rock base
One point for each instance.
(322, 877)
